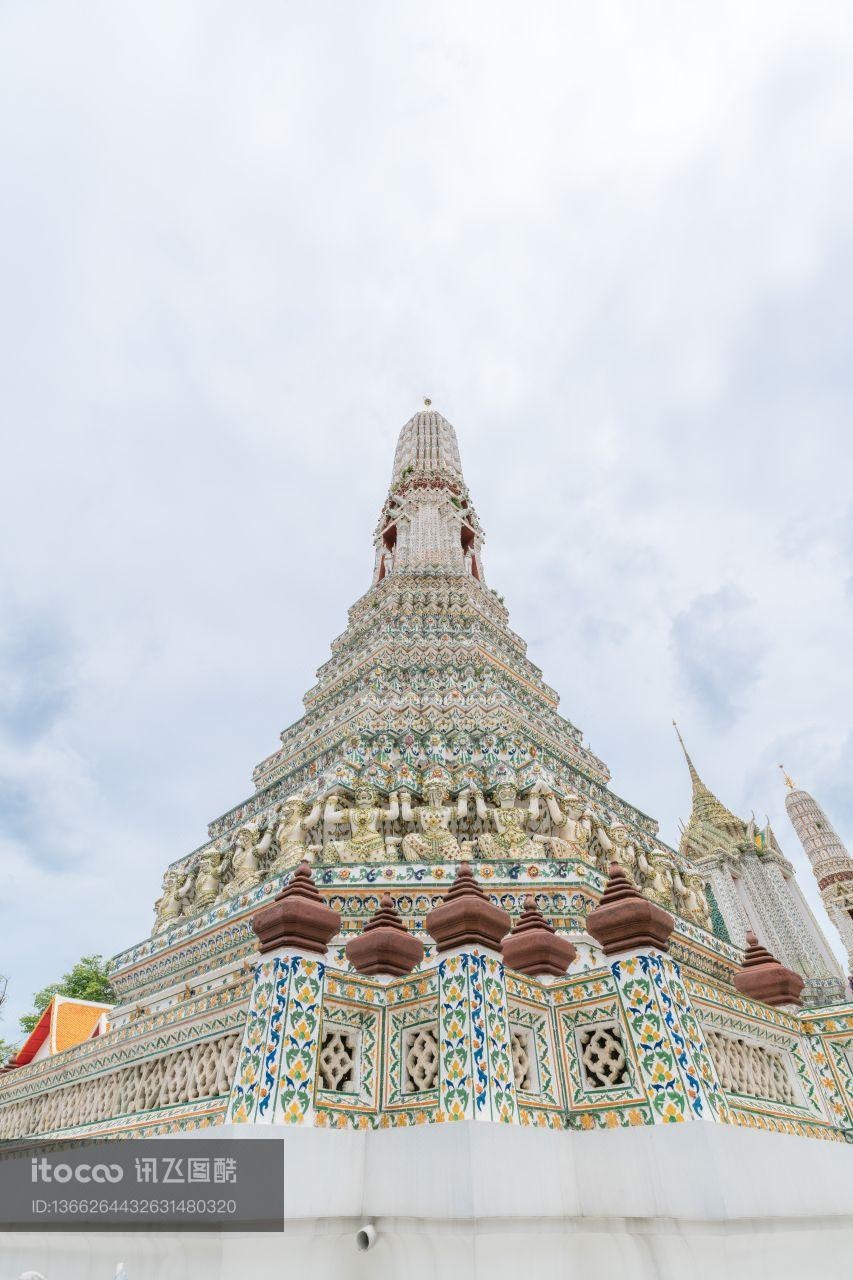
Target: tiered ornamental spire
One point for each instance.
(753, 886)
(428, 650)
(832, 864)
(430, 738)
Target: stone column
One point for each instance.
(277, 1065)
(728, 902)
(676, 1069)
(476, 1080)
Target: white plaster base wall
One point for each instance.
(483, 1200)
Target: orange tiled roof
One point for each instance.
(73, 1022)
(64, 1023)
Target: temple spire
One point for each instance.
(694, 776)
(707, 812)
(428, 523)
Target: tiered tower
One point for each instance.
(754, 887)
(427, 653)
(428, 693)
(832, 864)
(430, 736)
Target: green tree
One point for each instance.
(6, 1050)
(87, 980)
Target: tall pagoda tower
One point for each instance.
(428, 673)
(831, 863)
(429, 738)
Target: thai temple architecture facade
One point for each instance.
(433, 911)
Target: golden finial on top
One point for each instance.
(427, 401)
(789, 781)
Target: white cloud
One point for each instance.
(239, 244)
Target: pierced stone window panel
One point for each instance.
(754, 1069)
(339, 1059)
(192, 1073)
(420, 1058)
(525, 1064)
(603, 1056)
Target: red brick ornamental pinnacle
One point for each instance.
(534, 947)
(763, 977)
(296, 917)
(626, 921)
(466, 917)
(386, 946)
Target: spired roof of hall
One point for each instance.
(712, 829)
(428, 669)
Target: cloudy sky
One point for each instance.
(238, 244)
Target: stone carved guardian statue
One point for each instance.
(601, 847)
(366, 843)
(291, 832)
(172, 902)
(573, 823)
(660, 885)
(695, 906)
(511, 840)
(434, 842)
(554, 843)
(208, 878)
(466, 826)
(623, 848)
(248, 853)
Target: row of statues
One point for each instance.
(333, 830)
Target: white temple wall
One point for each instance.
(487, 1200)
(768, 915)
(806, 922)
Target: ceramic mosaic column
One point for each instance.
(676, 1069)
(476, 1080)
(277, 1066)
